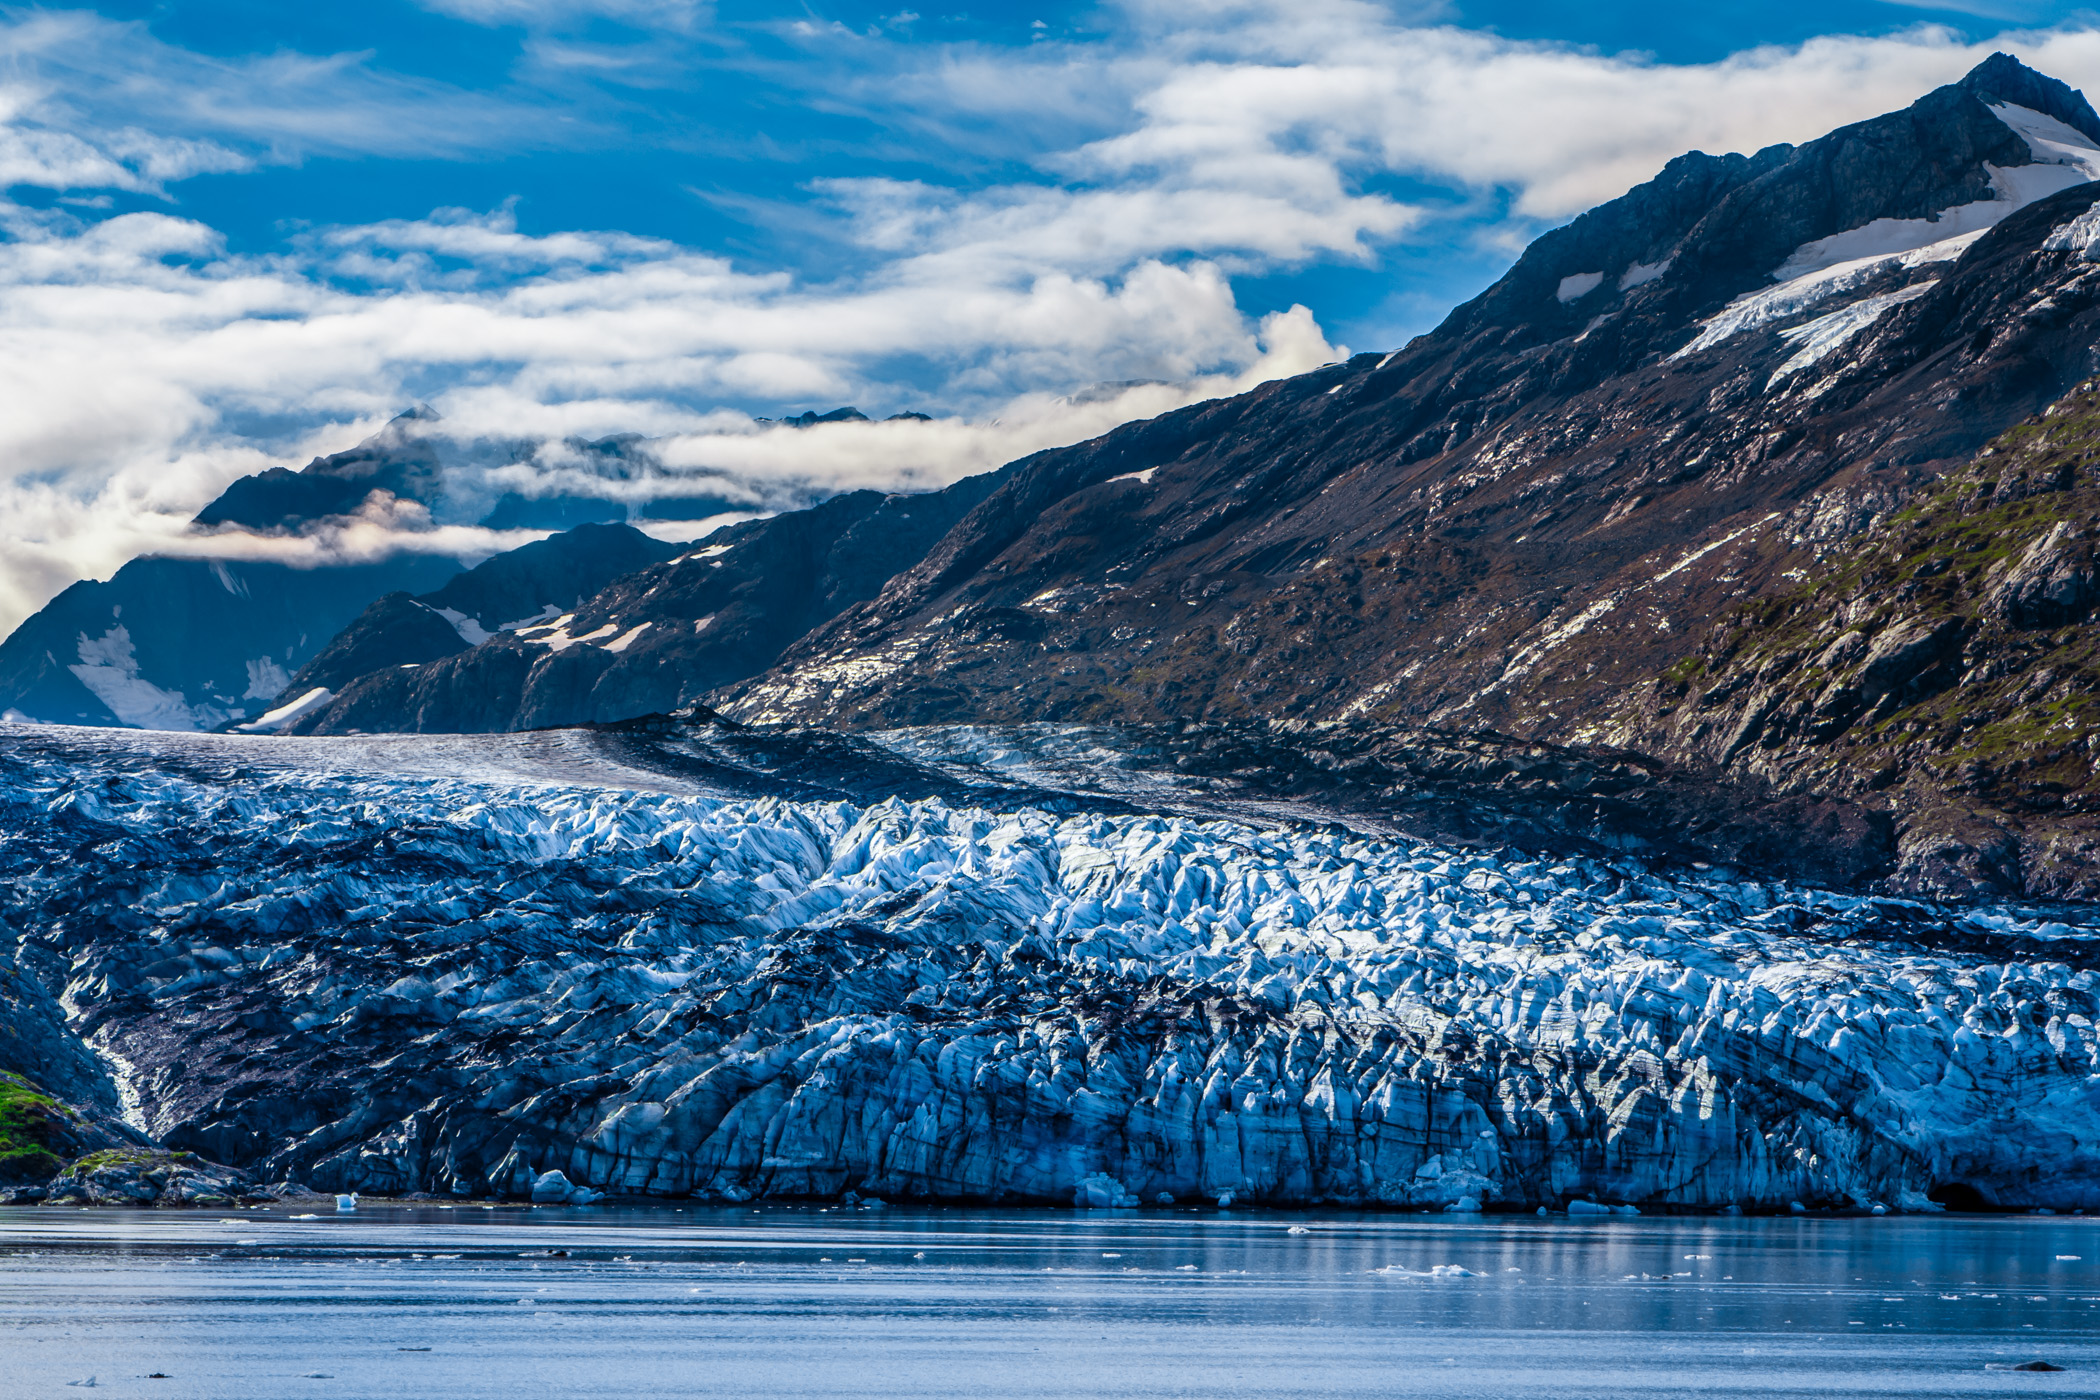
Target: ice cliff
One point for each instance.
(401, 982)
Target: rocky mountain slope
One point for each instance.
(663, 636)
(1940, 667)
(1664, 406)
(505, 593)
(409, 964)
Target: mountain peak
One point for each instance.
(2001, 78)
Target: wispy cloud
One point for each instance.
(91, 102)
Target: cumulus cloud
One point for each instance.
(1141, 173)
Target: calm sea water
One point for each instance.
(408, 1303)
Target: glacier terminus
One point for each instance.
(454, 966)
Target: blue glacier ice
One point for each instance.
(480, 971)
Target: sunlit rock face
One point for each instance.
(393, 983)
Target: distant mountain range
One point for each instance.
(1696, 484)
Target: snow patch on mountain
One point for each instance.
(1845, 261)
(1641, 274)
(109, 668)
(1578, 285)
(626, 639)
(1820, 337)
(1754, 310)
(266, 679)
(470, 629)
(290, 713)
(2052, 142)
(226, 579)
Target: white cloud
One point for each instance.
(547, 14)
(95, 103)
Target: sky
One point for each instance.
(235, 234)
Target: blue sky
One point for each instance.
(233, 234)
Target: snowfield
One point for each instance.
(408, 981)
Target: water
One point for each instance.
(408, 1303)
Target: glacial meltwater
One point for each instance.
(403, 1303)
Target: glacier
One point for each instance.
(487, 967)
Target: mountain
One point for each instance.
(399, 461)
(664, 635)
(187, 643)
(506, 592)
(197, 643)
(1667, 404)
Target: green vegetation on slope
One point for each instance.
(31, 1125)
(1950, 650)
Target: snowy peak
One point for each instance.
(2002, 79)
(1710, 229)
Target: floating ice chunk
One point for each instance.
(348, 1202)
(1587, 1208)
(553, 1188)
(1100, 1191)
(1301, 1230)
(1464, 1205)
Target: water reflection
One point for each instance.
(812, 1302)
